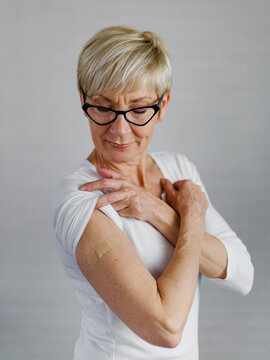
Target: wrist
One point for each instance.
(157, 211)
(192, 220)
(166, 220)
(194, 226)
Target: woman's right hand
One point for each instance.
(186, 198)
(127, 199)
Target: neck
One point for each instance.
(135, 170)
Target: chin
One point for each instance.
(117, 155)
(120, 156)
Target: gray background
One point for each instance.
(218, 117)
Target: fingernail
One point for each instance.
(83, 187)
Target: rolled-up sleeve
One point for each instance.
(240, 271)
(72, 209)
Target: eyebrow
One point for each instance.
(132, 101)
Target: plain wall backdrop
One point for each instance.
(218, 117)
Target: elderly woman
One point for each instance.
(135, 231)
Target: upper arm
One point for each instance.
(121, 279)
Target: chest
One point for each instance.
(153, 183)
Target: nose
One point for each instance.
(120, 126)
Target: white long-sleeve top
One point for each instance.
(103, 335)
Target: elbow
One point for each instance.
(159, 331)
(162, 338)
(247, 278)
(169, 341)
(171, 336)
(167, 328)
(247, 286)
(245, 290)
(173, 341)
(160, 334)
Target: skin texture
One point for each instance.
(101, 250)
(131, 161)
(134, 201)
(156, 310)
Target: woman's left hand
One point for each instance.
(127, 198)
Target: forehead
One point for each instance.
(142, 92)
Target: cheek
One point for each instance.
(97, 132)
(145, 133)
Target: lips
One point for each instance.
(119, 146)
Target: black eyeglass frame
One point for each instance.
(155, 107)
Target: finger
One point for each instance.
(167, 186)
(180, 183)
(102, 184)
(108, 173)
(110, 198)
(120, 205)
(125, 212)
(169, 190)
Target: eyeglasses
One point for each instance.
(139, 116)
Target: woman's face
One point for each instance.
(121, 141)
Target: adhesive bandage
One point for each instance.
(101, 249)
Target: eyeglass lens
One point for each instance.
(103, 115)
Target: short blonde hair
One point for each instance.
(119, 57)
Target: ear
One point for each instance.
(164, 106)
(81, 98)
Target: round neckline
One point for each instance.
(152, 155)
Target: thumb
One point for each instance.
(167, 186)
(105, 173)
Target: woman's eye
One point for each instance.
(102, 110)
(140, 111)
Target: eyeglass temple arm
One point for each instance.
(160, 100)
(83, 96)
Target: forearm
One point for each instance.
(166, 220)
(213, 258)
(177, 284)
(213, 255)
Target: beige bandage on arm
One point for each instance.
(101, 249)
